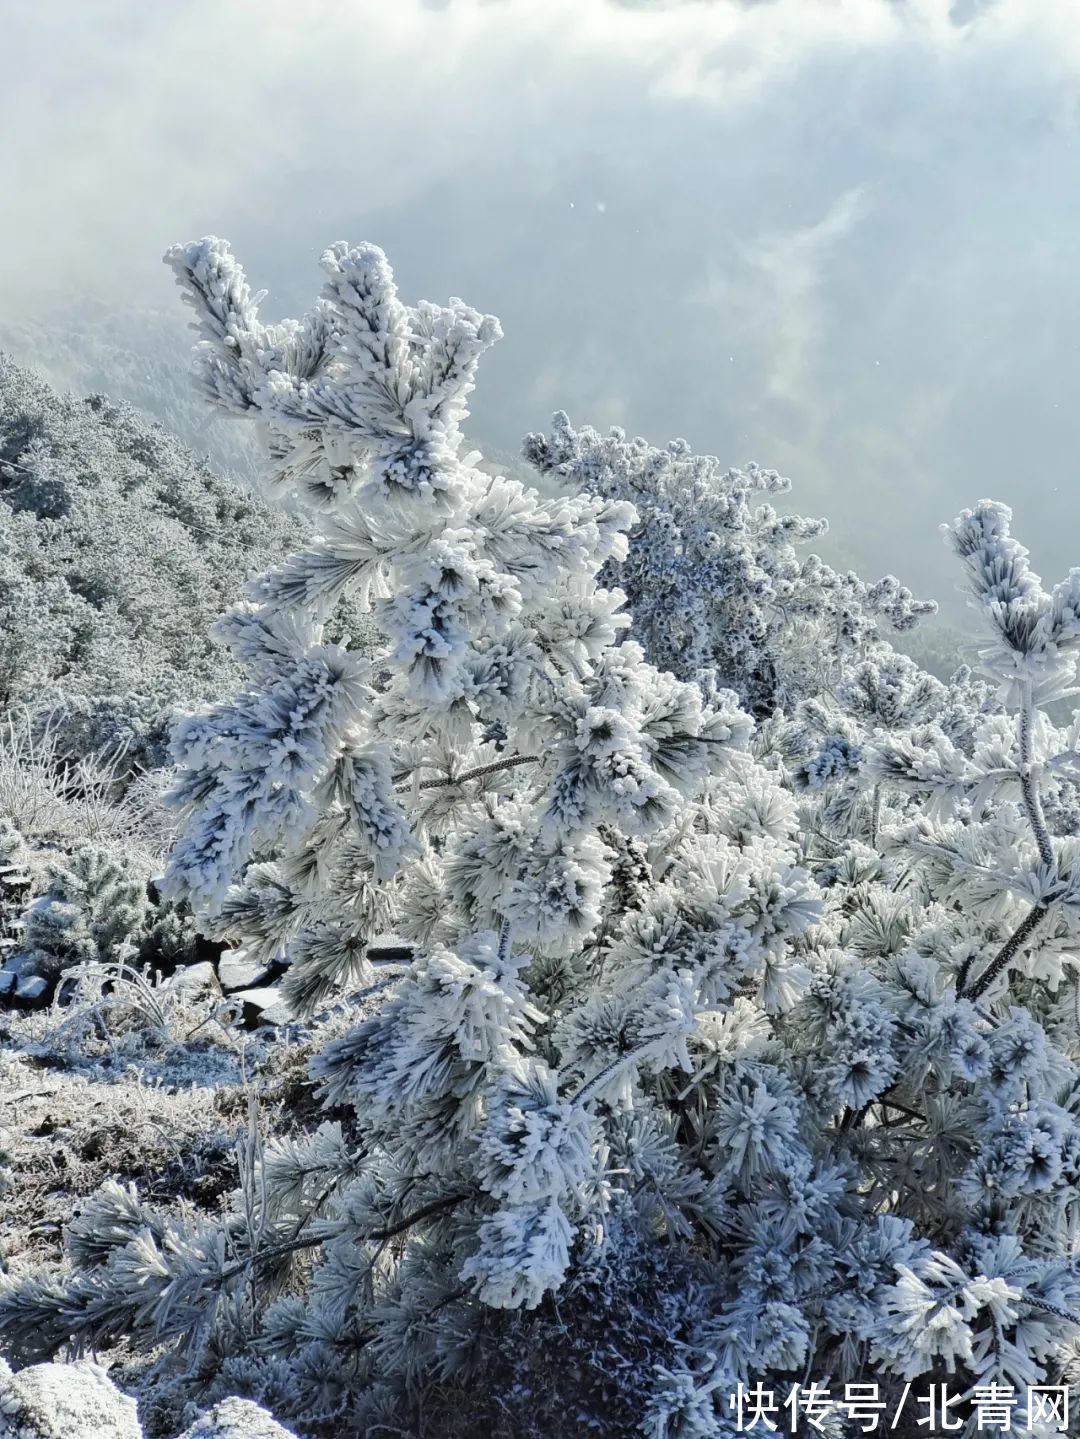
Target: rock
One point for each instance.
(23, 962)
(388, 949)
(261, 1006)
(235, 972)
(79, 1401)
(236, 1419)
(18, 981)
(194, 978)
(67, 1401)
(210, 949)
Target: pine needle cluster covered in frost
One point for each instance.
(716, 587)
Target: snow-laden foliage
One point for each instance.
(716, 586)
(117, 549)
(784, 1023)
(96, 907)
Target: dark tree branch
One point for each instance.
(1007, 953)
(315, 1241)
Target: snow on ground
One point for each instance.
(64, 1401)
(79, 1401)
(63, 1134)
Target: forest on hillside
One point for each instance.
(520, 951)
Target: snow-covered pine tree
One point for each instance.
(477, 787)
(92, 907)
(718, 591)
(996, 838)
(635, 1037)
(94, 902)
(500, 710)
(942, 826)
(720, 595)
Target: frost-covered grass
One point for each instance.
(52, 799)
(66, 1133)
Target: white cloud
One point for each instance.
(794, 268)
(132, 119)
(807, 186)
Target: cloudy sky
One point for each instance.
(835, 236)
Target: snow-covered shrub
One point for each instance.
(94, 903)
(16, 862)
(96, 907)
(75, 860)
(825, 1097)
(64, 1401)
(236, 1419)
(55, 802)
(133, 727)
(715, 584)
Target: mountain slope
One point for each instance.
(118, 548)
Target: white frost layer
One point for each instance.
(79, 1401)
(236, 1419)
(64, 1401)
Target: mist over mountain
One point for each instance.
(119, 546)
(836, 240)
(138, 356)
(142, 357)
